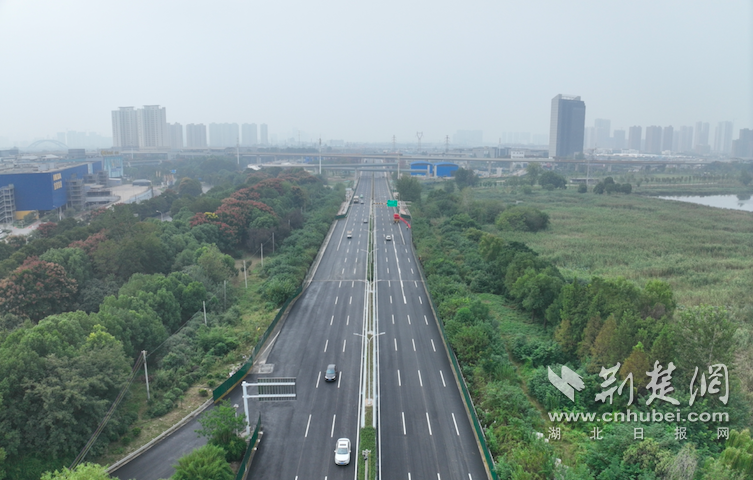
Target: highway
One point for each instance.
(423, 428)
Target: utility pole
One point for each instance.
(320, 166)
(237, 150)
(245, 276)
(262, 255)
(419, 135)
(446, 143)
(146, 375)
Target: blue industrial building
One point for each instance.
(43, 190)
(420, 168)
(439, 169)
(445, 169)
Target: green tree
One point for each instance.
(552, 178)
(490, 247)
(535, 291)
(205, 463)
(83, 471)
(533, 171)
(221, 423)
(523, 219)
(745, 178)
(706, 335)
(465, 178)
(409, 188)
(217, 266)
(75, 261)
(189, 187)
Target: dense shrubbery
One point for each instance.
(587, 324)
(137, 285)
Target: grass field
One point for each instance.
(705, 253)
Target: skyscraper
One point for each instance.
(175, 136)
(667, 138)
(701, 134)
(618, 141)
(196, 135)
(566, 126)
(723, 137)
(249, 135)
(152, 125)
(653, 140)
(634, 137)
(264, 134)
(125, 128)
(603, 133)
(685, 139)
(223, 135)
(743, 146)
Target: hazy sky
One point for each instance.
(365, 71)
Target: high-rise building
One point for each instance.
(589, 138)
(264, 134)
(603, 133)
(152, 126)
(653, 140)
(667, 138)
(701, 134)
(125, 128)
(249, 135)
(685, 139)
(223, 135)
(634, 137)
(566, 126)
(196, 135)
(175, 136)
(618, 140)
(723, 137)
(743, 146)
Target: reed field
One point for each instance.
(704, 253)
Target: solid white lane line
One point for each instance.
(344, 345)
(414, 344)
(307, 427)
(456, 425)
(399, 381)
(432, 345)
(331, 319)
(420, 380)
(428, 422)
(408, 319)
(403, 414)
(347, 321)
(332, 432)
(440, 374)
(325, 345)
(420, 301)
(336, 298)
(318, 377)
(396, 344)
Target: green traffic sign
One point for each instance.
(392, 203)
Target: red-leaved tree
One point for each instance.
(37, 289)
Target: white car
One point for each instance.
(342, 452)
(388, 238)
(350, 234)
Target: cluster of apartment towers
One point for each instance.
(146, 128)
(659, 140)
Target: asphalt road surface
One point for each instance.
(424, 431)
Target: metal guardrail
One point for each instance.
(222, 390)
(249, 451)
(480, 437)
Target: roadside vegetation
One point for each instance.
(601, 281)
(81, 300)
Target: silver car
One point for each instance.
(342, 451)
